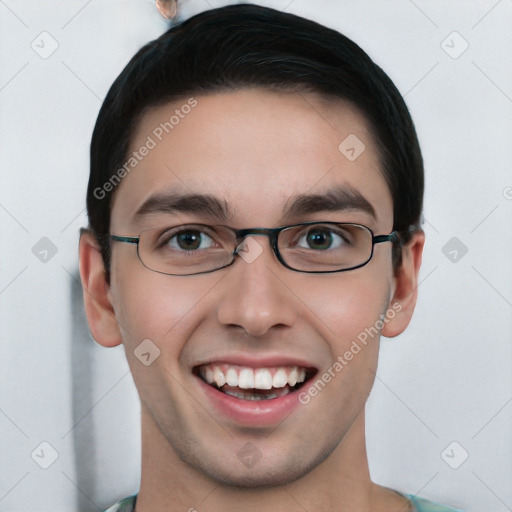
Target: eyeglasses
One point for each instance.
(312, 247)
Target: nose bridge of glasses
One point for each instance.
(270, 233)
(242, 233)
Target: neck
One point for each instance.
(339, 482)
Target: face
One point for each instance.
(254, 151)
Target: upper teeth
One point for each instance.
(252, 378)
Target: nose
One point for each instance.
(255, 296)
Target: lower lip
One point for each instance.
(256, 413)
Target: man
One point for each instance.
(254, 203)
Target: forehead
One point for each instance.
(254, 150)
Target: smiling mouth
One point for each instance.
(248, 383)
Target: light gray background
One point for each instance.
(447, 379)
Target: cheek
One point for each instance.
(153, 306)
(164, 310)
(345, 309)
(347, 304)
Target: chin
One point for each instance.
(268, 472)
(256, 478)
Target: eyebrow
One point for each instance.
(173, 201)
(338, 198)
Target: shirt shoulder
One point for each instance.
(126, 505)
(424, 505)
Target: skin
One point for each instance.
(254, 149)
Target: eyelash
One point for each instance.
(169, 234)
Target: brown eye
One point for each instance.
(322, 238)
(187, 240)
(317, 239)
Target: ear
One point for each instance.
(96, 291)
(405, 292)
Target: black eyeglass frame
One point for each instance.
(272, 234)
